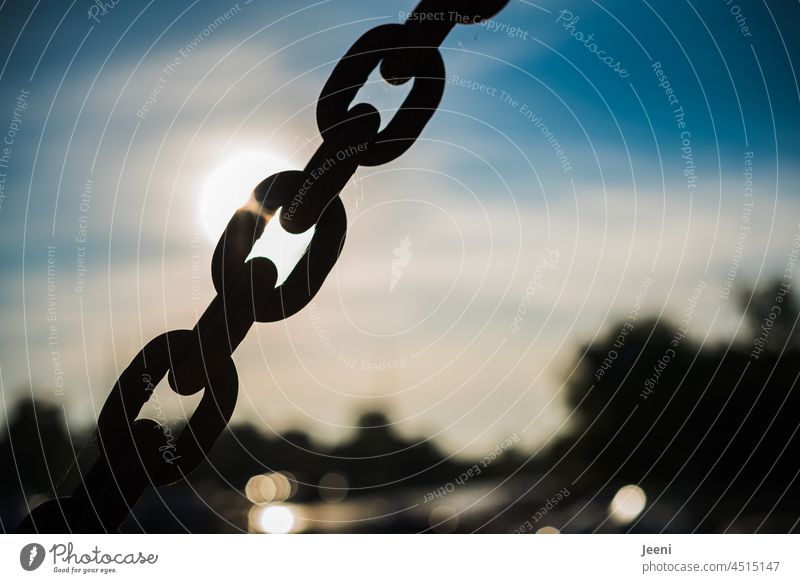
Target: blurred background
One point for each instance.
(570, 307)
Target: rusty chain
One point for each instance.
(133, 454)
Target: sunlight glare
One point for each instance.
(279, 519)
(228, 188)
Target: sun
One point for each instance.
(228, 187)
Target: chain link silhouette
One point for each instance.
(134, 454)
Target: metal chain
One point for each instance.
(133, 452)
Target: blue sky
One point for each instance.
(483, 197)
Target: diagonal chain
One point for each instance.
(133, 453)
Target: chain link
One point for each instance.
(135, 453)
